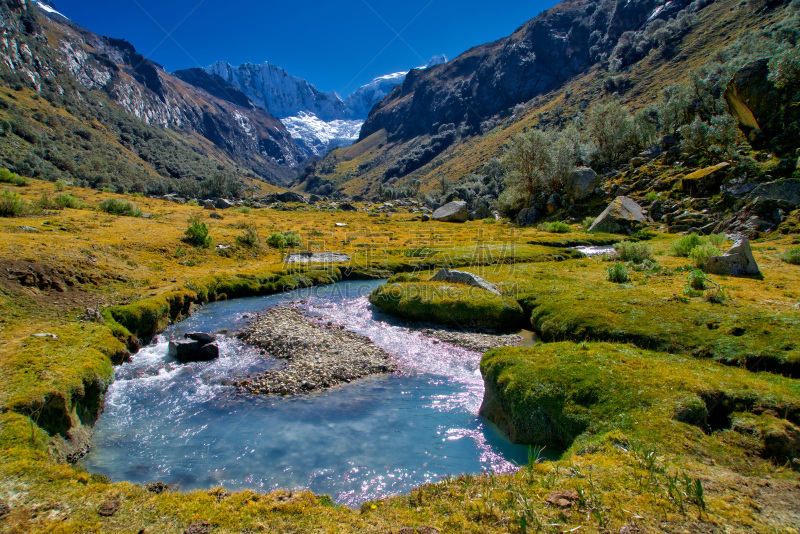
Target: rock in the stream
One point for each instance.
(196, 347)
(318, 356)
(455, 211)
(465, 278)
(622, 216)
(738, 261)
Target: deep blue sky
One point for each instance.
(337, 45)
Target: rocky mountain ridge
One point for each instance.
(59, 60)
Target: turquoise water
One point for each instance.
(383, 435)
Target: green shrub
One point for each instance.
(284, 240)
(643, 235)
(697, 280)
(587, 222)
(197, 233)
(59, 202)
(66, 200)
(651, 197)
(404, 277)
(700, 255)
(116, 206)
(555, 227)
(8, 177)
(11, 205)
(60, 185)
(633, 252)
(784, 67)
(618, 274)
(792, 255)
(682, 247)
(716, 295)
(718, 240)
(249, 238)
(715, 140)
(489, 220)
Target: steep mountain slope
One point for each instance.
(444, 123)
(317, 120)
(65, 83)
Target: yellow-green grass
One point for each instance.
(755, 326)
(130, 265)
(453, 305)
(567, 395)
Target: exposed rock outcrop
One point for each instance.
(622, 216)
(764, 111)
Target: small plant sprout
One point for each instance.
(535, 455)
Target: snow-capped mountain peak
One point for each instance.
(318, 121)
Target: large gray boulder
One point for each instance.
(581, 183)
(529, 216)
(465, 278)
(738, 261)
(787, 191)
(223, 204)
(622, 216)
(455, 211)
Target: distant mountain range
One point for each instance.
(317, 120)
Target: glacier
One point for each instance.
(318, 121)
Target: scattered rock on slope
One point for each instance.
(622, 216)
(465, 278)
(738, 261)
(455, 211)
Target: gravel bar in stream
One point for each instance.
(474, 341)
(318, 356)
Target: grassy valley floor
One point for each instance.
(679, 410)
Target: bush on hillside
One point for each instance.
(284, 240)
(714, 140)
(632, 252)
(8, 177)
(197, 233)
(556, 227)
(116, 206)
(249, 238)
(792, 255)
(11, 205)
(618, 274)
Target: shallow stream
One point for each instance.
(383, 435)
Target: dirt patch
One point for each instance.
(779, 503)
(51, 286)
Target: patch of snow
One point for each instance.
(658, 10)
(244, 123)
(317, 136)
(49, 9)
